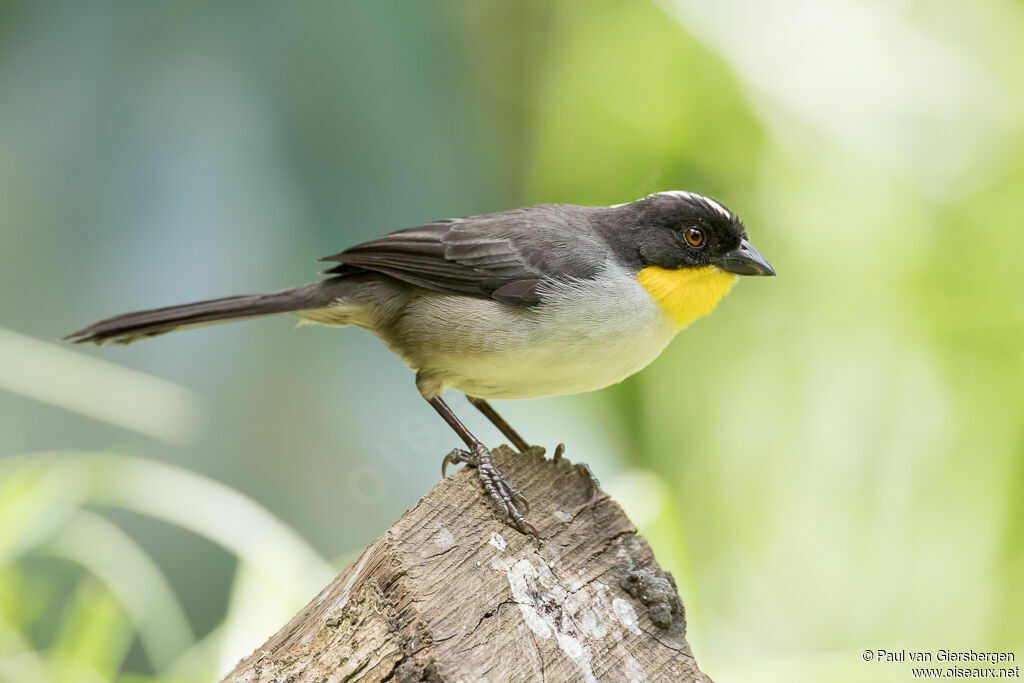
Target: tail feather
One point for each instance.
(124, 329)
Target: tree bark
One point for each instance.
(449, 593)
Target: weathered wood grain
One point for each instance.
(449, 593)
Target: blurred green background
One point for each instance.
(832, 462)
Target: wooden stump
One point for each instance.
(449, 593)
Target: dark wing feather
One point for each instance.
(504, 256)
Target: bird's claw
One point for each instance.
(456, 457)
(559, 452)
(502, 493)
(506, 497)
(593, 485)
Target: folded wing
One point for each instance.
(505, 256)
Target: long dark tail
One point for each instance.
(124, 329)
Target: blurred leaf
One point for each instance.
(271, 557)
(97, 389)
(144, 594)
(95, 634)
(23, 597)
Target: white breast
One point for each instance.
(584, 336)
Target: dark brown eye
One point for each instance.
(694, 237)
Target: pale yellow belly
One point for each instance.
(559, 367)
(585, 336)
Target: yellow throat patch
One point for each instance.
(686, 294)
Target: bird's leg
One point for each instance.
(455, 457)
(502, 493)
(499, 422)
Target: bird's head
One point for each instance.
(687, 230)
(687, 250)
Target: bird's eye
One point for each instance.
(694, 237)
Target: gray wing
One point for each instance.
(504, 256)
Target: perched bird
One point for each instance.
(546, 299)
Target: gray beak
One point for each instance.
(745, 261)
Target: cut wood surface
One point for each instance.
(449, 593)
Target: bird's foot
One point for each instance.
(593, 485)
(502, 493)
(457, 457)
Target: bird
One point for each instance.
(528, 302)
